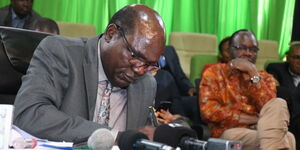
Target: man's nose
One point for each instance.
(248, 51)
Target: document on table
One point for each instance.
(42, 144)
(6, 113)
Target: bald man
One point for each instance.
(239, 102)
(75, 86)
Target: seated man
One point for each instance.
(172, 65)
(76, 86)
(186, 89)
(287, 73)
(288, 76)
(239, 102)
(18, 14)
(223, 55)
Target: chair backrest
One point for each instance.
(189, 44)
(198, 62)
(268, 50)
(76, 30)
(16, 49)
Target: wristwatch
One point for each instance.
(255, 79)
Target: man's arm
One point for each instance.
(212, 106)
(263, 91)
(40, 98)
(260, 92)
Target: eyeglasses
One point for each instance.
(140, 62)
(251, 49)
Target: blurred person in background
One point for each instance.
(46, 25)
(18, 14)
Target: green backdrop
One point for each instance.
(268, 19)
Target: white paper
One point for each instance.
(6, 113)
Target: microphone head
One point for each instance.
(128, 138)
(101, 139)
(171, 134)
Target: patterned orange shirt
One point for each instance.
(225, 93)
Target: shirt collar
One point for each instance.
(14, 16)
(293, 74)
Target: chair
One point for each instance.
(268, 50)
(16, 49)
(76, 30)
(198, 62)
(189, 44)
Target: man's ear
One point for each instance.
(111, 31)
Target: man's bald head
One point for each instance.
(243, 44)
(132, 15)
(132, 43)
(293, 57)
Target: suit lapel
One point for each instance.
(90, 68)
(140, 96)
(289, 78)
(7, 21)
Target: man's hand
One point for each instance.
(165, 116)
(248, 119)
(192, 92)
(243, 65)
(148, 130)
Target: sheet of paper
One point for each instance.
(42, 144)
(6, 113)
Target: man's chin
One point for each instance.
(121, 83)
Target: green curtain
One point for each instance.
(268, 19)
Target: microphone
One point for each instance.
(134, 140)
(101, 139)
(173, 134)
(178, 136)
(187, 143)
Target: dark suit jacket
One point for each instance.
(5, 18)
(295, 115)
(281, 74)
(167, 91)
(173, 66)
(288, 91)
(57, 98)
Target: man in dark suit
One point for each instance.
(172, 65)
(288, 76)
(18, 14)
(186, 89)
(287, 73)
(69, 80)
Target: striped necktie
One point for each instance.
(103, 112)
